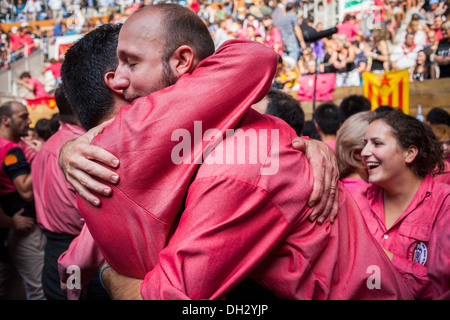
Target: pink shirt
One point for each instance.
(39, 90)
(210, 208)
(29, 153)
(409, 238)
(16, 41)
(55, 200)
(445, 176)
(349, 30)
(29, 44)
(274, 37)
(55, 68)
(6, 185)
(439, 269)
(352, 184)
(156, 208)
(238, 222)
(332, 144)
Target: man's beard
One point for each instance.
(18, 131)
(167, 79)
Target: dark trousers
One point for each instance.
(55, 246)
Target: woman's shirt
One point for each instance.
(409, 237)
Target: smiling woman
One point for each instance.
(405, 207)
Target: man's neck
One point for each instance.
(327, 137)
(6, 134)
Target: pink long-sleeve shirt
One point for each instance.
(409, 239)
(59, 216)
(213, 94)
(239, 221)
(353, 183)
(226, 219)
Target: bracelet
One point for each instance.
(101, 273)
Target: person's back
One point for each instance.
(55, 184)
(16, 42)
(135, 257)
(305, 260)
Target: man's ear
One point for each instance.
(317, 127)
(182, 60)
(5, 120)
(109, 78)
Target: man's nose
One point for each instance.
(121, 80)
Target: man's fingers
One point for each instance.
(83, 186)
(320, 183)
(99, 129)
(299, 144)
(93, 168)
(20, 212)
(328, 207)
(101, 155)
(335, 208)
(319, 206)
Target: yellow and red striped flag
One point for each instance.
(388, 88)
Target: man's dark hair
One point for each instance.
(438, 116)
(348, 17)
(54, 121)
(354, 104)
(43, 128)
(309, 130)
(82, 73)
(327, 117)
(25, 74)
(66, 113)
(384, 108)
(285, 107)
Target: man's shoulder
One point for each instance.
(256, 151)
(6, 145)
(54, 144)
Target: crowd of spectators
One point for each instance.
(406, 35)
(68, 17)
(399, 34)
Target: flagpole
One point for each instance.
(315, 85)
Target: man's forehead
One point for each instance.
(137, 45)
(18, 109)
(140, 26)
(128, 42)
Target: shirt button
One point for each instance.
(385, 236)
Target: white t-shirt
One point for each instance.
(404, 57)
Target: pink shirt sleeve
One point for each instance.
(85, 256)
(218, 241)
(219, 100)
(439, 267)
(39, 90)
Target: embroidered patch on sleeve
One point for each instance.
(15, 163)
(10, 159)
